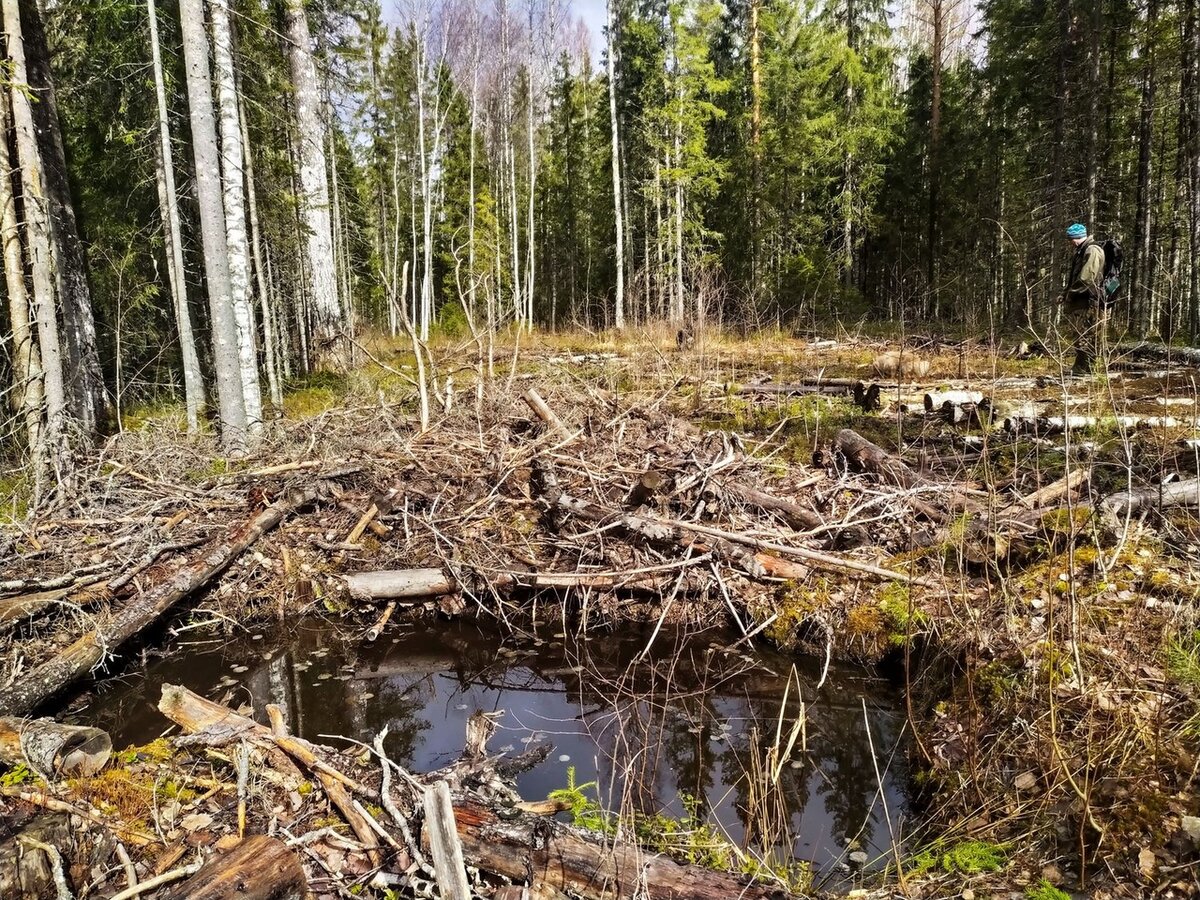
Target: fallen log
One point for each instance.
(193, 714)
(90, 651)
(1162, 496)
(421, 584)
(551, 856)
(259, 868)
(793, 513)
(935, 400)
(863, 456)
(31, 864)
(51, 749)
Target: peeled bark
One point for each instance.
(233, 197)
(52, 749)
(536, 850)
(231, 400)
(314, 180)
(193, 383)
(1178, 493)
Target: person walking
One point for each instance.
(1085, 299)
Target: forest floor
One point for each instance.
(1011, 549)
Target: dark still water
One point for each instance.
(690, 718)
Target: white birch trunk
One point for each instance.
(37, 233)
(193, 382)
(619, 305)
(26, 360)
(234, 198)
(261, 276)
(314, 184)
(226, 359)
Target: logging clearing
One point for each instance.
(1012, 550)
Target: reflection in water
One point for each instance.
(690, 720)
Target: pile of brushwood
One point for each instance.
(1046, 631)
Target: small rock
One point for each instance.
(195, 821)
(1146, 861)
(968, 894)
(1052, 874)
(859, 858)
(1191, 827)
(1026, 781)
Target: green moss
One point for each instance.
(18, 775)
(794, 604)
(965, 858)
(1044, 890)
(16, 492)
(1183, 658)
(902, 619)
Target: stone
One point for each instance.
(1191, 827)
(1026, 781)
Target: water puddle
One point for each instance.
(688, 725)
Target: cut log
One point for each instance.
(935, 400)
(403, 584)
(863, 456)
(1162, 496)
(259, 868)
(52, 749)
(559, 858)
(90, 651)
(544, 412)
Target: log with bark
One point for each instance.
(91, 650)
(51, 749)
(1162, 496)
(555, 857)
(259, 868)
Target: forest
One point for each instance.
(515, 449)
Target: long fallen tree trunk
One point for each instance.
(1177, 493)
(90, 651)
(554, 856)
(52, 749)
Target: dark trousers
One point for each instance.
(1088, 321)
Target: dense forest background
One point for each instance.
(468, 165)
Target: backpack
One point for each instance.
(1110, 281)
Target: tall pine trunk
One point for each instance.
(206, 154)
(1142, 280)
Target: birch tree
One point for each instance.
(324, 308)
(233, 197)
(193, 384)
(37, 235)
(27, 396)
(206, 153)
(619, 300)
